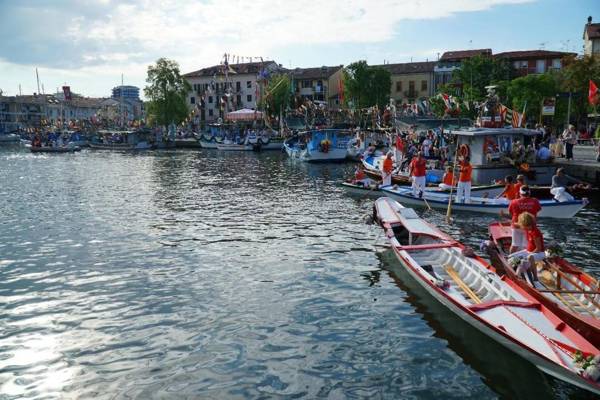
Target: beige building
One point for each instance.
(591, 39)
(411, 81)
(318, 84)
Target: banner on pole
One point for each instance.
(549, 106)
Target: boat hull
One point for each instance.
(550, 209)
(54, 149)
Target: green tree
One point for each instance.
(277, 94)
(531, 90)
(478, 72)
(575, 77)
(367, 86)
(167, 91)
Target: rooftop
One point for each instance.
(409, 68)
(524, 54)
(458, 55)
(315, 73)
(592, 30)
(241, 68)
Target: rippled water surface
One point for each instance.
(222, 275)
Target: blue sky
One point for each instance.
(89, 44)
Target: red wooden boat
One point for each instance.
(569, 292)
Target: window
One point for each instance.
(210, 112)
(556, 63)
(238, 86)
(192, 100)
(423, 85)
(411, 86)
(249, 84)
(210, 99)
(398, 86)
(238, 99)
(249, 98)
(306, 84)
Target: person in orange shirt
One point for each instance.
(463, 189)
(448, 181)
(360, 178)
(520, 182)
(417, 169)
(510, 191)
(399, 145)
(386, 172)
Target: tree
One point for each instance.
(478, 72)
(531, 90)
(167, 91)
(367, 86)
(277, 94)
(574, 78)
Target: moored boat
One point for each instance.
(497, 307)
(321, 145)
(568, 291)
(550, 208)
(48, 149)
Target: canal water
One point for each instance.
(229, 275)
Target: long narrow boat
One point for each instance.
(48, 149)
(470, 288)
(373, 188)
(550, 208)
(564, 286)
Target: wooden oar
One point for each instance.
(570, 280)
(454, 275)
(449, 210)
(372, 188)
(425, 200)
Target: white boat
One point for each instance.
(252, 142)
(550, 208)
(9, 139)
(470, 288)
(325, 145)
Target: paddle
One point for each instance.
(449, 210)
(372, 188)
(425, 200)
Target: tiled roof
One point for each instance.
(462, 54)
(409, 68)
(525, 54)
(241, 68)
(593, 31)
(315, 73)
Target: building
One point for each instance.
(527, 62)
(591, 39)
(452, 60)
(21, 112)
(128, 92)
(411, 81)
(318, 84)
(219, 89)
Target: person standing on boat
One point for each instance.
(386, 172)
(520, 183)
(525, 203)
(399, 145)
(448, 180)
(463, 189)
(535, 245)
(417, 170)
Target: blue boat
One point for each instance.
(321, 145)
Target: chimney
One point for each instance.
(590, 20)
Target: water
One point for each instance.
(223, 275)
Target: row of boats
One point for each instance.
(553, 324)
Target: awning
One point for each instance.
(245, 114)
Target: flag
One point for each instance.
(446, 101)
(593, 93)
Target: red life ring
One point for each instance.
(464, 150)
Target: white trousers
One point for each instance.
(463, 192)
(418, 185)
(560, 194)
(386, 179)
(399, 158)
(444, 186)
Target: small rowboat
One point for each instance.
(569, 292)
(375, 190)
(550, 208)
(470, 288)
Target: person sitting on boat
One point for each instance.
(417, 170)
(525, 203)
(37, 142)
(448, 180)
(386, 172)
(360, 178)
(463, 189)
(535, 245)
(559, 187)
(510, 191)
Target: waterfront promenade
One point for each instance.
(584, 166)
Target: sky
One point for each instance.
(89, 44)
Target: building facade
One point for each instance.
(411, 81)
(527, 62)
(127, 92)
(452, 60)
(220, 89)
(591, 39)
(319, 84)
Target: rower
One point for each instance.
(520, 182)
(525, 203)
(417, 172)
(388, 167)
(360, 178)
(448, 180)
(559, 186)
(510, 191)
(463, 189)
(535, 245)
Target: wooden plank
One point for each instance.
(572, 282)
(456, 278)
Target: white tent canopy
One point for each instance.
(245, 114)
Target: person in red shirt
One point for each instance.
(535, 245)
(386, 172)
(360, 178)
(510, 189)
(463, 189)
(525, 203)
(520, 182)
(448, 180)
(399, 145)
(417, 170)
